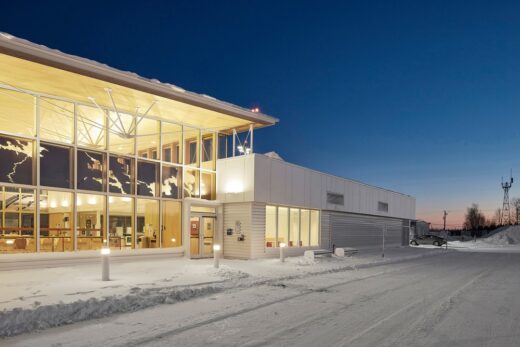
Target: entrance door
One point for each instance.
(201, 236)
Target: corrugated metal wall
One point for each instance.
(361, 231)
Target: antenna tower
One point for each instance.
(506, 214)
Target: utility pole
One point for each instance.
(445, 232)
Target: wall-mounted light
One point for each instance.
(53, 204)
(64, 203)
(92, 200)
(234, 186)
(9, 242)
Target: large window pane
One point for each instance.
(171, 186)
(16, 158)
(146, 178)
(147, 234)
(90, 171)
(191, 145)
(172, 143)
(121, 175)
(148, 138)
(17, 227)
(207, 186)
(270, 226)
(294, 237)
(55, 166)
(191, 183)
(315, 228)
(120, 222)
(56, 221)
(20, 107)
(283, 225)
(121, 132)
(305, 227)
(91, 130)
(208, 151)
(56, 120)
(222, 146)
(171, 233)
(91, 215)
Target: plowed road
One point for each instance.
(452, 299)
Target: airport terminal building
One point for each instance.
(92, 157)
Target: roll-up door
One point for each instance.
(350, 230)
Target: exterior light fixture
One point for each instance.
(65, 203)
(282, 252)
(9, 242)
(105, 264)
(173, 240)
(92, 200)
(216, 256)
(234, 186)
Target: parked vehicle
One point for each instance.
(428, 240)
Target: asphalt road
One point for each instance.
(455, 299)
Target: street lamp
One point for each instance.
(216, 256)
(105, 269)
(282, 253)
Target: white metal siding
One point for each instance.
(360, 231)
(234, 213)
(273, 181)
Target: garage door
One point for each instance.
(348, 230)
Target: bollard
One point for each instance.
(216, 256)
(282, 252)
(105, 270)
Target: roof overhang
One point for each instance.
(38, 66)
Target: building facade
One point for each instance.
(94, 157)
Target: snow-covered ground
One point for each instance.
(40, 298)
(454, 298)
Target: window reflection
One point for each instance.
(55, 166)
(16, 158)
(121, 176)
(90, 171)
(171, 182)
(146, 178)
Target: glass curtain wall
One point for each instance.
(95, 176)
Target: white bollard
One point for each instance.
(105, 270)
(282, 252)
(216, 256)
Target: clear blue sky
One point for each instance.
(421, 97)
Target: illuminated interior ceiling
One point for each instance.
(24, 74)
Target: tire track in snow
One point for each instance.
(176, 331)
(422, 328)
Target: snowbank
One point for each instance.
(509, 235)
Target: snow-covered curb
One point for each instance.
(20, 320)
